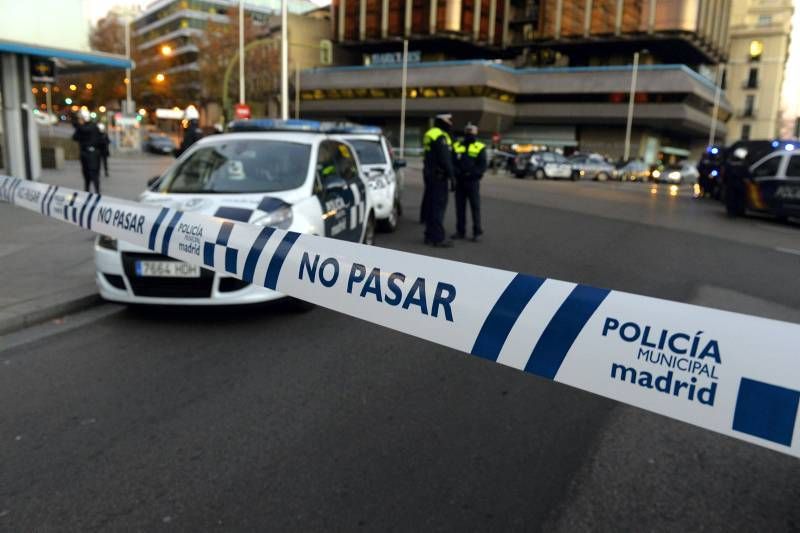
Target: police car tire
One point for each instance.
(388, 225)
(539, 174)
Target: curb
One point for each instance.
(30, 318)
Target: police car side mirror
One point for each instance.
(399, 163)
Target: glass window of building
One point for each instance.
(752, 78)
(749, 105)
(745, 132)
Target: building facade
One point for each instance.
(167, 36)
(550, 72)
(759, 48)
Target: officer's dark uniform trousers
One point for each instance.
(470, 166)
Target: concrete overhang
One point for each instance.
(68, 60)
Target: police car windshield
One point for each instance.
(240, 166)
(369, 152)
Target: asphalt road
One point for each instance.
(260, 419)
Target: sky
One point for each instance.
(95, 9)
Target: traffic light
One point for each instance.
(326, 52)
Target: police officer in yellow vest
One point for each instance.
(470, 165)
(437, 173)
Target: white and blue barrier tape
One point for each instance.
(734, 374)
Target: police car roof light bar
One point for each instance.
(270, 124)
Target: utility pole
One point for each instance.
(129, 85)
(403, 84)
(284, 60)
(241, 52)
(712, 134)
(630, 106)
(296, 90)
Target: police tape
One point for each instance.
(734, 374)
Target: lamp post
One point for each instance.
(241, 52)
(629, 125)
(129, 84)
(712, 133)
(403, 84)
(284, 60)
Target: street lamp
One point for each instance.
(160, 78)
(89, 86)
(166, 50)
(73, 87)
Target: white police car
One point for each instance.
(380, 169)
(288, 174)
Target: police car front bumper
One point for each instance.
(383, 200)
(117, 281)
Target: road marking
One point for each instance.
(788, 250)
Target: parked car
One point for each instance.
(290, 175)
(160, 143)
(678, 173)
(380, 170)
(592, 166)
(553, 166)
(633, 170)
(771, 184)
(708, 169)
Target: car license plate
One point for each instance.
(166, 269)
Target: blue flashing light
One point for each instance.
(775, 144)
(789, 147)
(269, 124)
(714, 173)
(298, 125)
(714, 150)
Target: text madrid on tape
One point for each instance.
(731, 373)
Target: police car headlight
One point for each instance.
(109, 243)
(656, 173)
(674, 175)
(281, 218)
(378, 183)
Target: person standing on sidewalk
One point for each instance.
(89, 140)
(437, 174)
(192, 133)
(470, 167)
(105, 142)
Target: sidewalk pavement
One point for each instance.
(47, 266)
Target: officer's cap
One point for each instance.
(471, 129)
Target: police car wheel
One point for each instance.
(539, 174)
(389, 224)
(369, 231)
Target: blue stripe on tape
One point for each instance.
(208, 254)
(231, 255)
(44, 198)
(276, 263)
(255, 252)
(224, 233)
(14, 188)
(766, 411)
(83, 209)
(50, 201)
(91, 211)
(66, 207)
(168, 232)
(559, 335)
(503, 316)
(154, 230)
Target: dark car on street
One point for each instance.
(762, 176)
(159, 143)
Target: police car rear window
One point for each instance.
(240, 166)
(369, 152)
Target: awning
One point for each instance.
(671, 150)
(541, 135)
(69, 60)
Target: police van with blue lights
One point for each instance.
(762, 176)
(296, 175)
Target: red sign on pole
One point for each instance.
(496, 138)
(241, 111)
